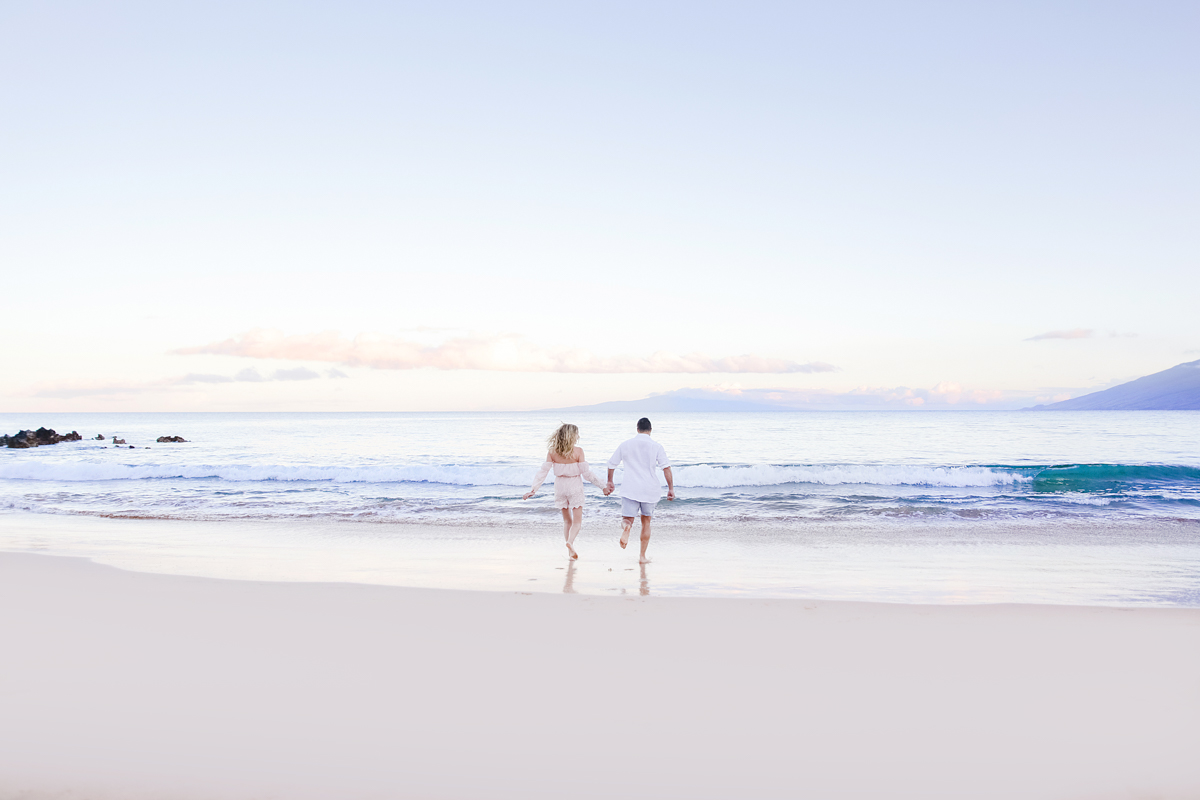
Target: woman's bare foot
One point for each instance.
(625, 529)
(643, 560)
(571, 550)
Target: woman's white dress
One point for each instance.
(568, 482)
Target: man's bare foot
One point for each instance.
(625, 529)
(643, 560)
(571, 550)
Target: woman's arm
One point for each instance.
(539, 478)
(586, 471)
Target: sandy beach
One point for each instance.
(876, 322)
(117, 684)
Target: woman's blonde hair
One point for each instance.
(563, 440)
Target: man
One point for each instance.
(640, 488)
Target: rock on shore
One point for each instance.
(166, 439)
(38, 438)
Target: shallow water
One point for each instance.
(772, 469)
(1071, 507)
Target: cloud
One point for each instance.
(1074, 333)
(249, 375)
(501, 353)
(297, 374)
(193, 377)
(68, 391)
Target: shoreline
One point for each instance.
(968, 563)
(132, 685)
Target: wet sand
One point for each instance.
(117, 684)
(972, 563)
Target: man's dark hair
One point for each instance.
(643, 424)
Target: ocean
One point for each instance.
(941, 506)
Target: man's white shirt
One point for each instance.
(643, 457)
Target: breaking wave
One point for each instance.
(718, 477)
(698, 475)
(1077, 478)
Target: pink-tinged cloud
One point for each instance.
(249, 375)
(1074, 333)
(493, 353)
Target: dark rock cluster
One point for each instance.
(38, 438)
(46, 436)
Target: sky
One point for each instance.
(369, 206)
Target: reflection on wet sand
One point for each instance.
(569, 581)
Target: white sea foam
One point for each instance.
(448, 474)
(696, 476)
(716, 477)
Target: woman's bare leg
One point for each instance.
(572, 520)
(567, 531)
(573, 531)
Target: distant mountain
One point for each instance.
(1177, 388)
(899, 398)
(675, 402)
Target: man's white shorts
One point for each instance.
(632, 508)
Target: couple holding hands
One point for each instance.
(640, 488)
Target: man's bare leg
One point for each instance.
(645, 539)
(626, 526)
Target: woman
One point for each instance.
(570, 468)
